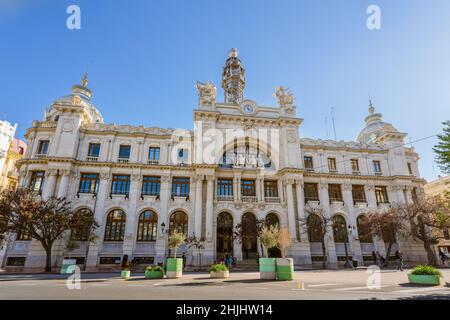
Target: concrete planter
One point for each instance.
(285, 269)
(219, 274)
(154, 274)
(174, 268)
(267, 269)
(431, 280)
(125, 274)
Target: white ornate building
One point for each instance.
(242, 161)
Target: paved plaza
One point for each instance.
(308, 285)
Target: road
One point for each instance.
(308, 285)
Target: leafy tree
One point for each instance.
(45, 220)
(442, 149)
(176, 239)
(269, 238)
(199, 245)
(318, 224)
(429, 218)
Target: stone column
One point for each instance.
(235, 189)
(258, 189)
(355, 246)
(131, 225)
(161, 241)
(100, 218)
(65, 176)
(290, 208)
(49, 186)
(198, 180)
(280, 190)
(209, 246)
(263, 196)
(378, 242)
(329, 238)
(301, 210)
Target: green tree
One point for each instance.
(442, 149)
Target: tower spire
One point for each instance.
(233, 78)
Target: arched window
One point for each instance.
(340, 229)
(315, 228)
(115, 225)
(83, 232)
(365, 235)
(179, 222)
(147, 226)
(272, 219)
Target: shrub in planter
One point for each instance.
(154, 272)
(269, 239)
(175, 265)
(425, 275)
(219, 271)
(125, 273)
(125, 268)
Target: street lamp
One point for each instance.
(343, 233)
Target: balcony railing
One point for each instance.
(40, 156)
(383, 205)
(152, 161)
(91, 159)
(123, 160)
(249, 199)
(224, 198)
(272, 199)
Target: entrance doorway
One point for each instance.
(249, 236)
(272, 220)
(224, 234)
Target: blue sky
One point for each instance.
(144, 58)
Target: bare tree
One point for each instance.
(199, 245)
(318, 224)
(284, 240)
(44, 220)
(429, 217)
(249, 230)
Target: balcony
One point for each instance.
(272, 199)
(227, 198)
(41, 156)
(152, 161)
(251, 199)
(313, 203)
(48, 124)
(356, 173)
(360, 204)
(378, 173)
(383, 205)
(91, 159)
(123, 160)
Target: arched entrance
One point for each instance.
(249, 236)
(272, 220)
(224, 234)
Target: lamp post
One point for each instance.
(341, 231)
(164, 232)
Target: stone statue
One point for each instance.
(285, 99)
(206, 93)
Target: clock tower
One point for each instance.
(233, 78)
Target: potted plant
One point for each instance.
(125, 268)
(269, 239)
(154, 272)
(427, 275)
(285, 266)
(219, 271)
(175, 265)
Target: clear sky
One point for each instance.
(144, 58)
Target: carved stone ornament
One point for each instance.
(285, 99)
(206, 93)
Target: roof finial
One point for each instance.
(371, 107)
(84, 80)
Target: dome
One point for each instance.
(375, 127)
(81, 95)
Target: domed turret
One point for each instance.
(375, 126)
(81, 96)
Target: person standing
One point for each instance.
(399, 259)
(443, 257)
(374, 258)
(184, 260)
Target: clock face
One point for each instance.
(248, 108)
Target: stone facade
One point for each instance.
(241, 159)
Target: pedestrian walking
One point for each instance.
(443, 257)
(399, 259)
(374, 258)
(226, 261)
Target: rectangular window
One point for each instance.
(151, 186)
(124, 151)
(120, 184)
(37, 181)
(143, 260)
(332, 164)
(78, 260)
(24, 234)
(248, 188)
(225, 187)
(410, 168)
(88, 183)
(381, 194)
(110, 260)
(308, 163)
(153, 153)
(358, 193)
(180, 186)
(311, 192)
(43, 147)
(334, 192)
(355, 165)
(16, 261)
(271, 189)
(376, 166)
(94, 150)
